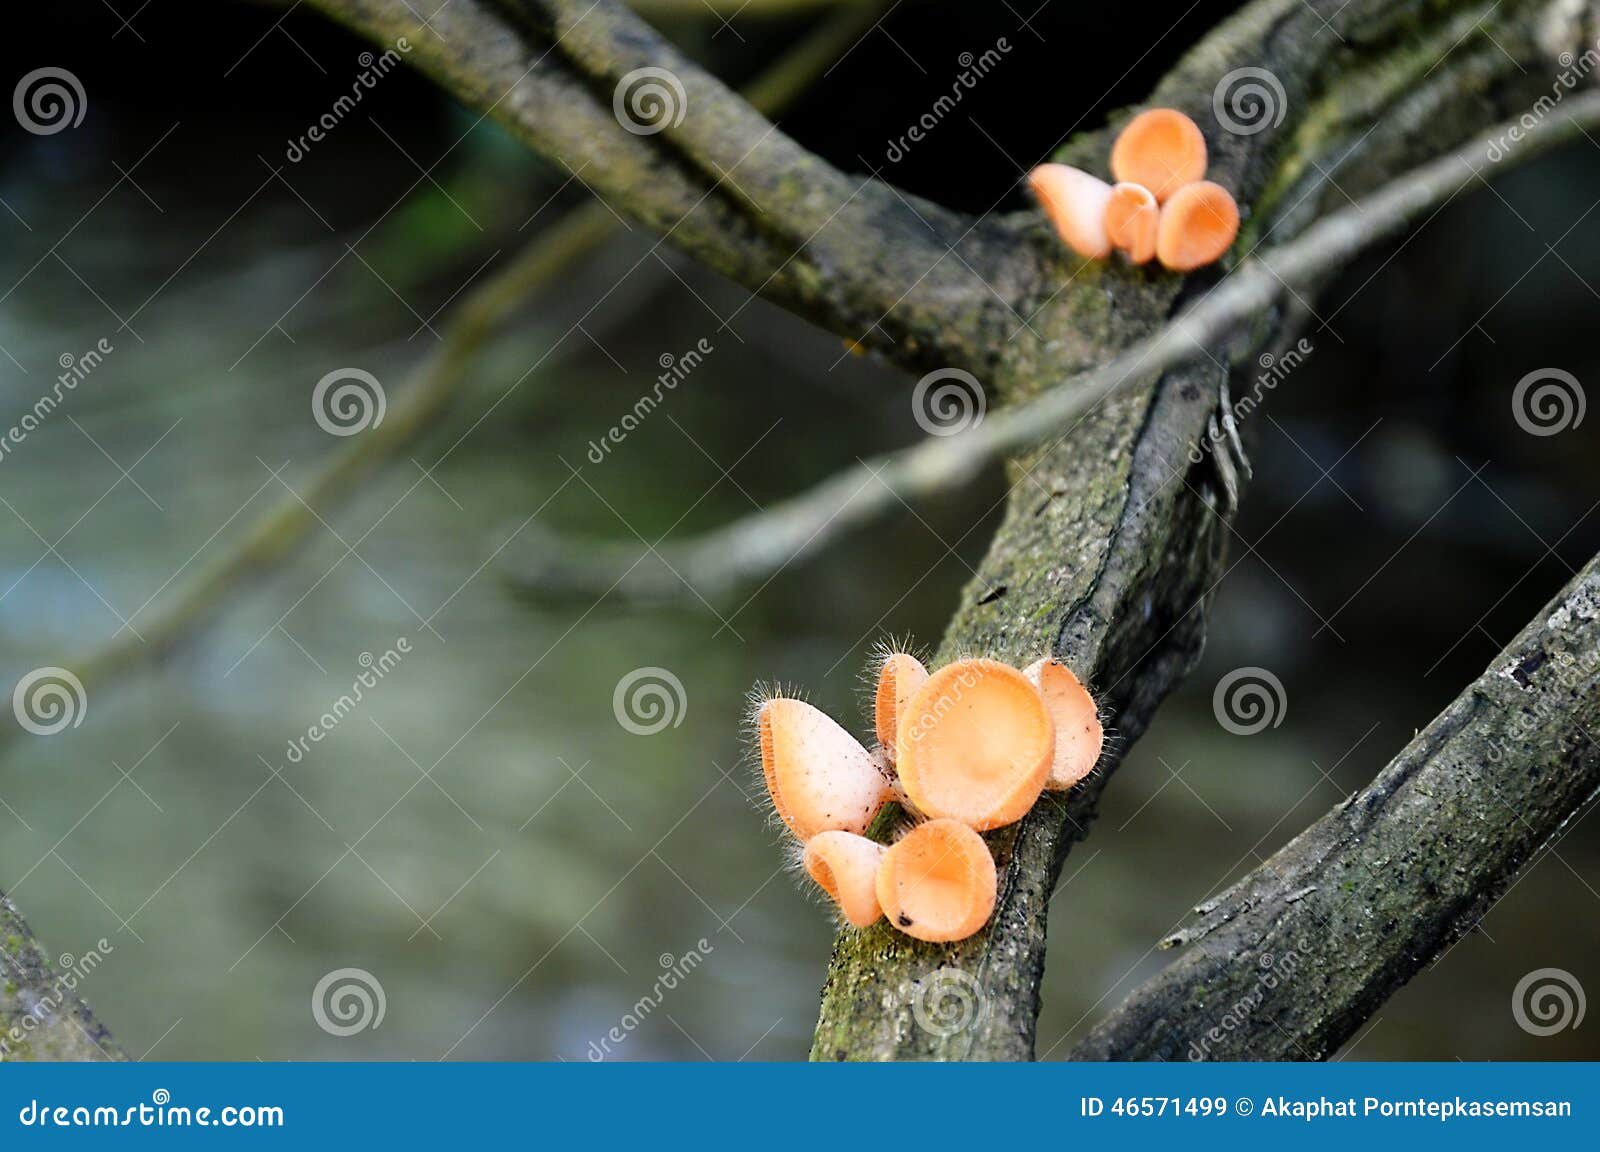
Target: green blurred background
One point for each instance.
(482, 835)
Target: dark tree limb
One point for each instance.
(1113, 539)
(924, 285)
(1289, 962)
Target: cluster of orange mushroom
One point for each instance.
(962, 750)
(1161, 207)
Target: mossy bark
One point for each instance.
(41, 1017)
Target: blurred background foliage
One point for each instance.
(482, 835)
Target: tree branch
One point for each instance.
(1288, 963)
(1113, 539)
(715, 177)
(714, 562)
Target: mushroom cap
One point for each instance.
(819, 776)
(1197, 226)
(937, 883)
(1075, 202)
(1162, 149)
(898, 678)
(1132, 216)
(845, 866)
(975, 744)
(1079, 736)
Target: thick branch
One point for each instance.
(1113, 538)
(922, 284)
(1288, 963)
(760, 543)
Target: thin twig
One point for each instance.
(755, 545)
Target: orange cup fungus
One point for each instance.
(937, 882)
(845, 866)
(966, 749)
(820, 779)
(1161, 206)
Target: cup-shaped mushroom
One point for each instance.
(937, 883)
(975, 744)
(819, 776)
(845, 866)
(1162, 149)
(1132, 216)
(1197, 226)
(1079, 736)
(898, 678)
(1075, 202)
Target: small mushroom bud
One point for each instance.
(1075, 202)
(975, 744)
(900, 676)
(1197, 226)
(937, 883)
(1079, 736)
(1162, 149)
(845, 866)
(819, 776)
(1132, 216)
